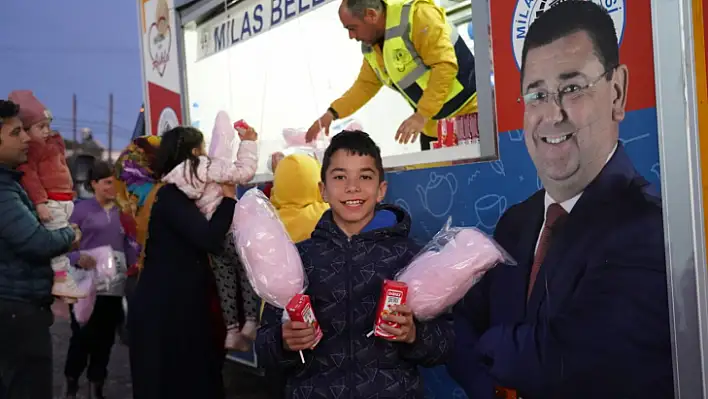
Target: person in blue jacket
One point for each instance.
(354, 248)
(26, 250)
(585, 313)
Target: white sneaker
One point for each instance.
(65, 286)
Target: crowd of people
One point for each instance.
(584, 314)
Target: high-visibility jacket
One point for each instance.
(404, 70)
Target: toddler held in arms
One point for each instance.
(200, 178)
(47, 180)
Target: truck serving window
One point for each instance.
(279, 66)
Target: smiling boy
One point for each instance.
(355, 246)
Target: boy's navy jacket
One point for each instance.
(345, 279)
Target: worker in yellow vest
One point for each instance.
(409, 46)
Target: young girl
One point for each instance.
(99, 219)
(200, 178)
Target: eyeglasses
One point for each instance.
(564, 97)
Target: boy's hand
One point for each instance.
(86, 262)
(247, 134)
(402, 315)
(43, 212)
(298, 336)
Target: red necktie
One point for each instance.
(554, 214)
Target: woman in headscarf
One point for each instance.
(136, 184)
(176, 338)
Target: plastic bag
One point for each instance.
(222, 137)
(105, 275)
(83, 308)
(447, 267)
(345, 124)
(107, 269)
(271, 260)
(295, 137)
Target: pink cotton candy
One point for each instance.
(83, 308)
(105, 262)
(294, 137)
(447, 268)
(89, 280)
(270, 258)
(222, 137)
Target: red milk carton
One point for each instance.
(392, 293)
(300, 309)
(241, 124)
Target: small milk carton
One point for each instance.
(392, 293)
(241, 124)
(300, 309)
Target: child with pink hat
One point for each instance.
(47, 180)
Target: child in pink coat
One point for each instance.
(201, 182)
(47, 180)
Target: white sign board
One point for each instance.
(247, 20)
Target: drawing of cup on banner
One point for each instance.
(441, 187)
(160, 38)
(489, 210)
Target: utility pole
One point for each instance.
(110, 128)
(73, 116)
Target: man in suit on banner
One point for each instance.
(585, 314)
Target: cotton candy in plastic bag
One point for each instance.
(295, 137)
(345, 124)
(102, 275)
(83, 308)
(271, 260)
(222, 137)
(447, 267)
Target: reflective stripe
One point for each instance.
(403, 30)
(400, 30)
(412, 76)
(368, 50)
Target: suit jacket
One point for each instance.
(597, 322)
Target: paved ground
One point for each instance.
(240, 383)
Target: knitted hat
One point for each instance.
(31, 109)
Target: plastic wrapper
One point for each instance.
(447, 267)
(83, 308)
(345, 124)
(92, 281)
(222, 138)
(271, 260)
(295, 137)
